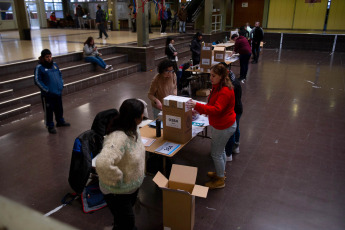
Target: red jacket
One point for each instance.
(220, 107)
(242, 46)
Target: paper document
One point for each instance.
(167, 148)
(143, 123)
(147, 141)
(196, 130)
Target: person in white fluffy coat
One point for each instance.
(120, 165)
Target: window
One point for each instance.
(6, 11)
(54, 6)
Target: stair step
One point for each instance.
(13, 111)
(6, 93)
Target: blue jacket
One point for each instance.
(49, 80)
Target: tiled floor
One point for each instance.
(289, 175)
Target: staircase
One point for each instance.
(18, 91)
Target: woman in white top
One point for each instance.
(92, 55)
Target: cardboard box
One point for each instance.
(179, 196)
(219, 54)
(177, 119)
(206, 56)
(203, 92)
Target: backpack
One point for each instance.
(105, 16)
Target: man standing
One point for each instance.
(182, 16)
(49, 79)
(243, 48)
(80, 13)
(257, 35)
(100, 20)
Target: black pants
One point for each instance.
(256, 50)
(121, 206)
(163, 25)
(102, 30)
(134, 25)
(52, 104)
(244, 60)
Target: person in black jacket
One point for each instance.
(100, 19)
(232, 146)
(195, 47)
(257, 35)
(171, 52)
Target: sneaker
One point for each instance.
(99, 38)
(110, 68)
(162, 33)
(52, 130)
(65, 124)
(243, 81)
(228, 159)
(107, 67)
(107, 37)
(236, 150)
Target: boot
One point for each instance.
(216, 182)
(213, 174)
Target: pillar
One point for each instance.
(143, 25)
(222, 7)
(208, 16)
(22, 20)
(112, 5)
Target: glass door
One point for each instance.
(33, 15)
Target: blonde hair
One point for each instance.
(223, 72)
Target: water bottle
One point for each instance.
(226, 38)
(158, 128)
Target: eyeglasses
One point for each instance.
(169, 71)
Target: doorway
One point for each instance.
(31, 9)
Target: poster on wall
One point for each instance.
(244, 4)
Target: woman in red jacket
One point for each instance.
(220, 110)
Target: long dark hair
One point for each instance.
(169, 39)
(130, 110)
(88, 41)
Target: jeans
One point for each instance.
(235, 138)
(256, 50)
(102, 30)
(244, 60)
(96, 59)
(182, 27)
(52, 104)
(219, 139)
(121, 206)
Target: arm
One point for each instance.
(194, 47)
(221, 103)
(152, 92)
(87, 50)
(38, 79)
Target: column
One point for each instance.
(22, 20)
(143, 25)
(208, 16)
(41, 11)
(112, 5)
(222, 8)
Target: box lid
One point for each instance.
(219, 48)
(200, 191)
(160, 180)
(183, 174)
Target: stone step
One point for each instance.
(14, 110)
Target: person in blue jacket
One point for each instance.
(48, 78)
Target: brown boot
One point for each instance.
(216, 182)
(213, 174)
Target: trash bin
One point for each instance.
(27, 34)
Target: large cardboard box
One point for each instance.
(179, 197)
(206, 56)
(219, 54)
(177, 119)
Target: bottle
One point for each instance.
(191, 63)
(226, 38)
(158, 128)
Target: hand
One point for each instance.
(190, 104)
(194, 112)
(158, 104)
(99, 54)
(175, 53)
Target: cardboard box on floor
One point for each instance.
(179, 196)
(177, 119)
(219, 54)
(206, 56)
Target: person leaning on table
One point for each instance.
(220, 110)
(121, 163)
(162, 85)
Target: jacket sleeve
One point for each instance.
(153, 89)
(194, 47)
(221, 103)
(87, 50)
(38, 79)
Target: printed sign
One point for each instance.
(173, 121)
(206, 61)
(244, 4)
(219, 56)
(167, 148)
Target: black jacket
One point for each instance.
(195, 47)
(258, 34)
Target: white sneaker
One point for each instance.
(236, 150)
(107, 67)
(110, 68)
(229, 158)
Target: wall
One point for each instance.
(336, 17)
(310, 16)
(252, 13)
(280, 14)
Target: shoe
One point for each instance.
(52, 130)
(236, 150)
(162, 33)
(110, 68)
(99, 38)
(107, 67)
(213, 174)
(228, 159)
(216, 182)
(243, 81)
(254, 62)
(65, 124)
(106, 37)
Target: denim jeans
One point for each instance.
(219, 139)
(182, 27)
(244, 60)
(235, 138)
(96, 59)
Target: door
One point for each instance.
(33, 16)
(248, 11)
